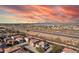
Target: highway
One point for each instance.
(59, 34)
(56, 33)
(68, 46)
(64, 45)
(32, 49)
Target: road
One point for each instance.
(14, 48)
(32, 49)
(19, 46)
(56, 33)
(59, 34)
(68, 46)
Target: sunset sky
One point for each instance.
(39, 14)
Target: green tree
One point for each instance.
(57, 48)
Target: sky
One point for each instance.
(39, 14)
